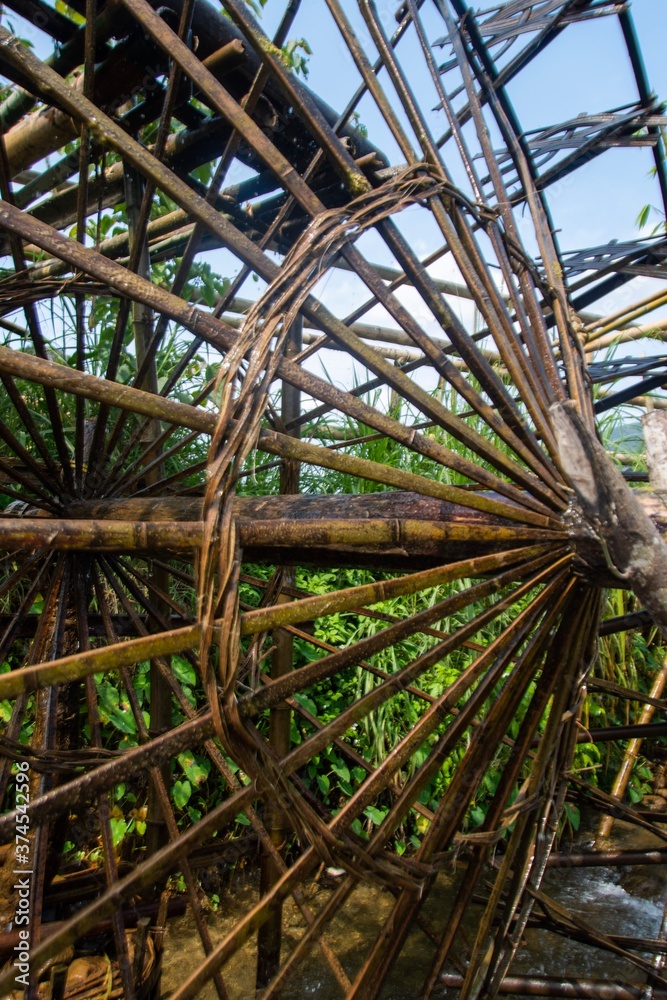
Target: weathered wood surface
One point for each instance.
(654, 425)
(630, 540)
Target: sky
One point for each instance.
(585, 70)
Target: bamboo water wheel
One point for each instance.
(394, 386)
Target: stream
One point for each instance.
(625, 901)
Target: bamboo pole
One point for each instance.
(404, 537)
(97, 536)
(632, 752)
(605, 859)
(261, 619)
(655, 331)
(561, 986)
(624, 316)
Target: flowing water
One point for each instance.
(625, 901)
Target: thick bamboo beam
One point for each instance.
(62, 535)
(405, 537)
(404, 505)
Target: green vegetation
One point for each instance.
(629, 658)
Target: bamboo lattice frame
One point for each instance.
(117, 553)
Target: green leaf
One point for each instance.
(196, 770)
(573, 815)
(643, 216)
(181, 792)
(118, 830)
(306, 703)
(124, 721)
(375, 815)
(208, 294)
(323, 783)
(341, 770)
(477, 815)
(183, 671)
